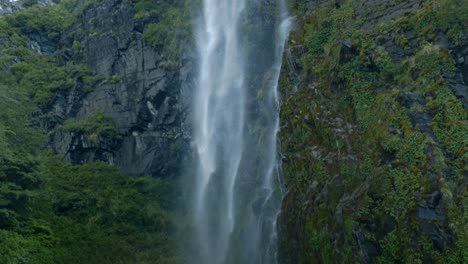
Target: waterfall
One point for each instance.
(235, 121)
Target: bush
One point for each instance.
(96, 124)
(321, 36)
(35, 20)
(172, 31)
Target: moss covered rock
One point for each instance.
(374, 133)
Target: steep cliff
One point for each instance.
(83, 79)
(141, 91)
(374, 130)
(141, 88)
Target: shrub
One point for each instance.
(93, 125)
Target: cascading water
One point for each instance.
(236, 111)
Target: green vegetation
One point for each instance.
(84, 214)
(40, 76)
(173, 27)
(43, 77)
(359, 162)
(94, 126)
(51, 212)
(42, 20)
(375, 160)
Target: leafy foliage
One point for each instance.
(172, 29)
(39, 76)
(96, 125)
(42, 20)
(51, 212)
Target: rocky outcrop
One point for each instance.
(10, 6)
(140, 91)
(7, 7)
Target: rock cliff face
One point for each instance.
(374, 120)
(10, 6)
(373, 134)
(140, 91)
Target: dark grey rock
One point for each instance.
(148, 104)
(347, 51)
(389, 224)
(8, 7)
(394, 130)
(408, 99)
(392, 10)
(420, 118)
(429, 214)
(372, 249)
(40, 43)
(457, 83)
(460, 91)
(435, 199)
(432, 222)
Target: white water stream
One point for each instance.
(222, 140)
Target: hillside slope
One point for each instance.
(374, 132)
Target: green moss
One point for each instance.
(115, 79)
(77, 46)
(401, 40)
(321, 33)
(321, 36)
(145, 8)
(345, 126)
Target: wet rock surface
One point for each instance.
(10, 6)
(141, 92)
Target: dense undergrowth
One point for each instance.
(373, 136)
(51, 212)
